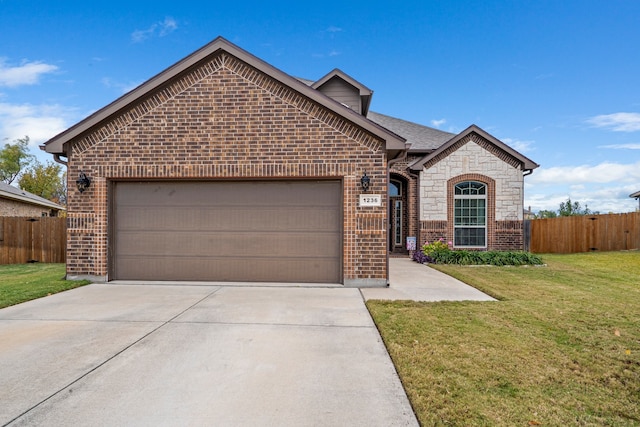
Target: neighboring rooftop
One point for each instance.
(10, 192)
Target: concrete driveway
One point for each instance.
(167, 355)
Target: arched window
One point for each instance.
(470, 215)
(395, 188)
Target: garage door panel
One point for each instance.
(231, 219)
(262, 193)
(269, 231)
(229, 244)
(314, 270)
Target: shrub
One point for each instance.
(440, 252)
(498, 258)
(422, 258)
(437, 246)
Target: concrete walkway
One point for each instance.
(409, 280)
(207, 354)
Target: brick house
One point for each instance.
(17, 202)
(224, 168)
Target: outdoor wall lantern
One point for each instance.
(83, 182)
(364, 182)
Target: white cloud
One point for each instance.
(617, 122)
(438, 123)
(333, 29)
(38, 122)
(605, 172)
(160, 29)
(122, 87)
(622, 146)
(28, 73)
(544, 76)
(518, 145)
(604, 187)
(604, 199)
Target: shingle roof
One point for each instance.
(422, 138)
(10, 192)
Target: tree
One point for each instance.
(14, 158)
(567, 208)
(546, 214)
(45, 180)
(570, 209)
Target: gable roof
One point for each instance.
(527, 164)
(364, 92)
(56, 145)
(13, 193)
(422, 138)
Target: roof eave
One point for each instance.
(527, 164)
(362, 89)
(56, 145)
(17, 197)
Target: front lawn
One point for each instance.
(562, 347)
(24, 282)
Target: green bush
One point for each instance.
(438, 246)
(441, 252)
(498, 258)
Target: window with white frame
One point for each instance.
(470, 215)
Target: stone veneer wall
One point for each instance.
(227, 120)
(474, 158)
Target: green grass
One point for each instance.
(561, 347)
(24, 282)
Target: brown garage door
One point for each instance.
(266, 231)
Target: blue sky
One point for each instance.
(557, 80)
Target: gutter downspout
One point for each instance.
(390, 163)
(57, 158)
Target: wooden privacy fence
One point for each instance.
(24, 239)
(571, 234)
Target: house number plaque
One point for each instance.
(370, 200)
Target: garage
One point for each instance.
(235, 231)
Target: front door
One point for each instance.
(395, 215)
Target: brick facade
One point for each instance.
(227, 120)
(400, 172)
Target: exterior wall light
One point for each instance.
(365, 181)
(83, 182)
